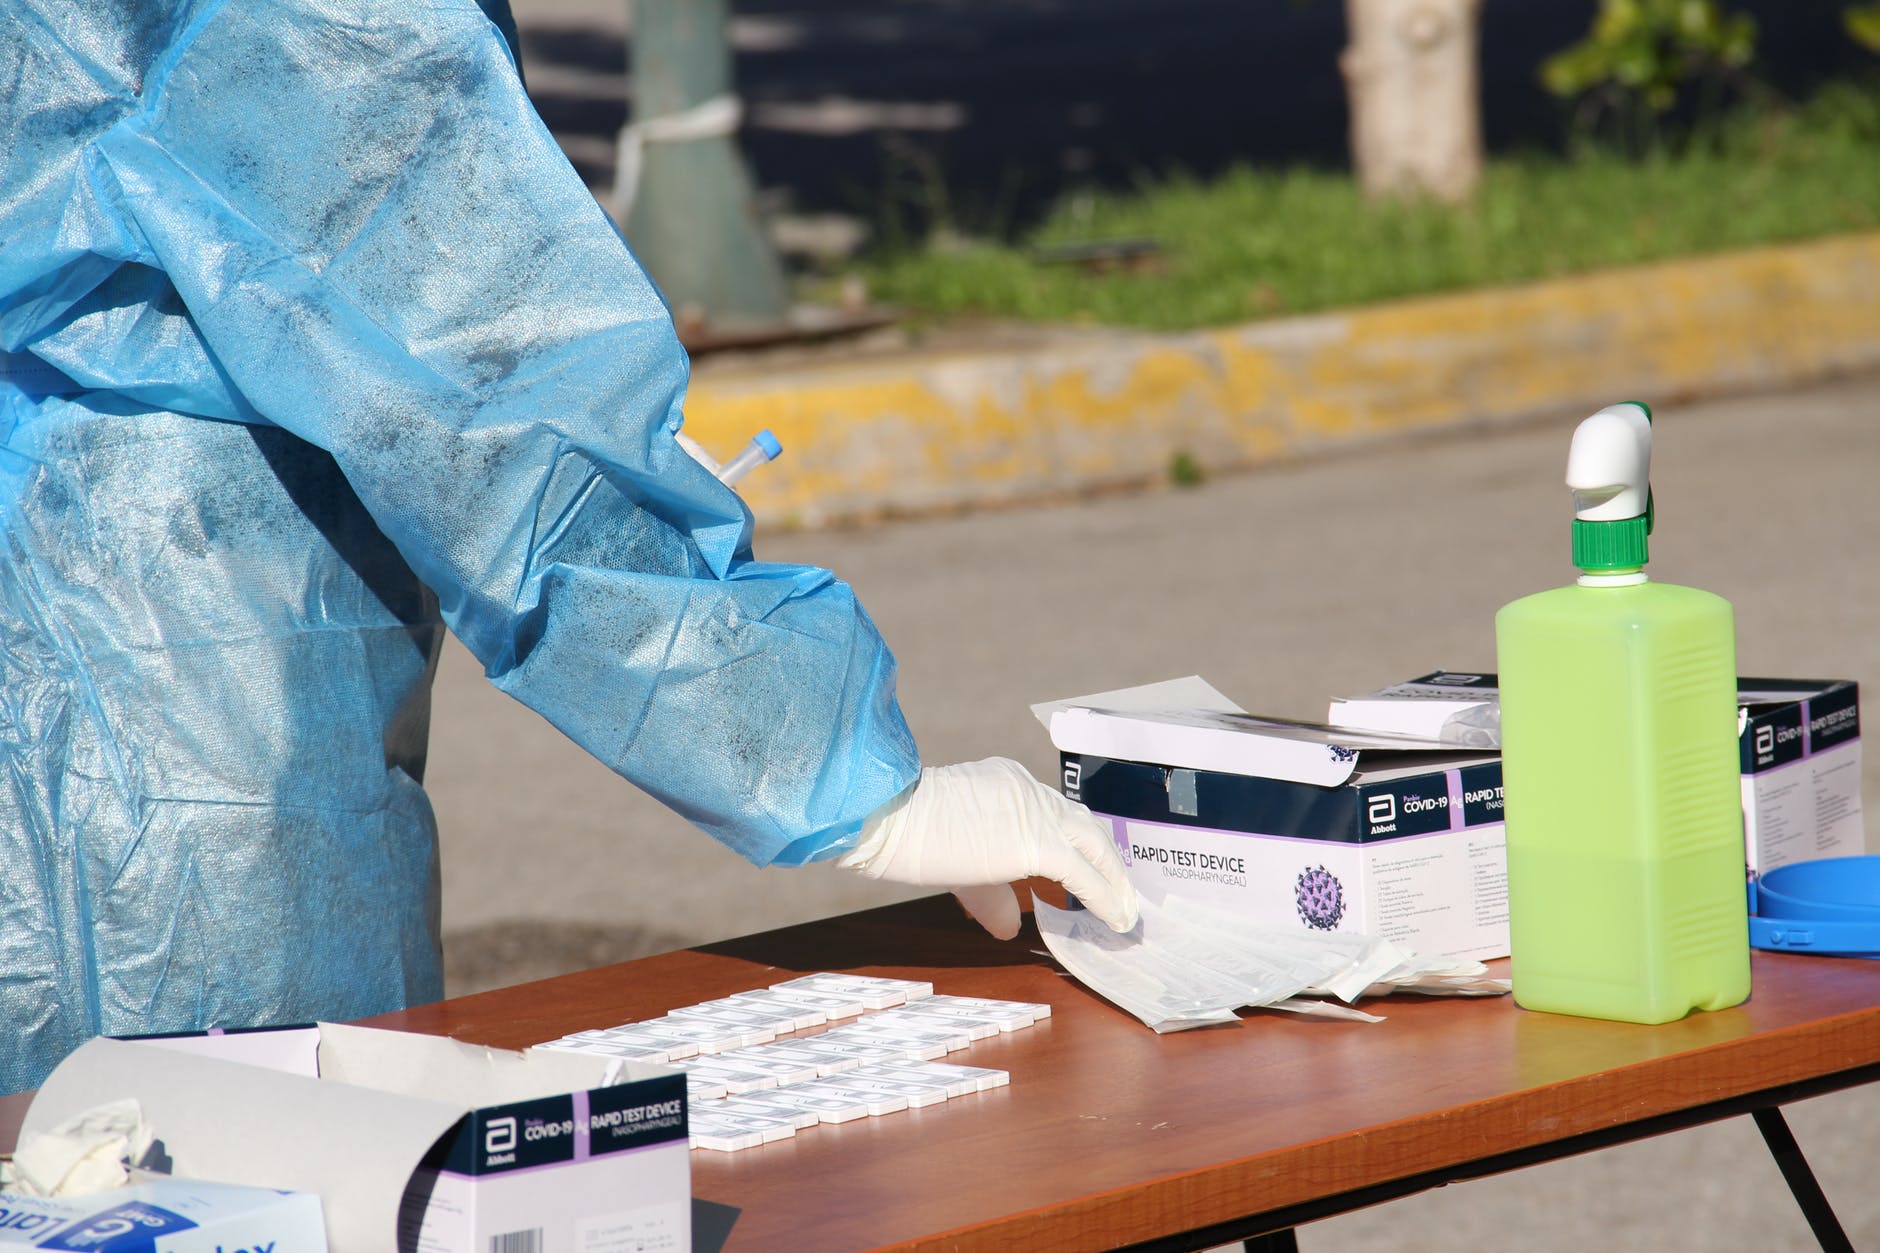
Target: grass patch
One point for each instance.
(1254, 244)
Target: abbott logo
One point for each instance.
(500, 1136)
(1765, 740)
(1073, 779)
(1383, 809)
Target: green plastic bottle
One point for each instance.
(1619, 763)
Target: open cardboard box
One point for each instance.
(411, 1142)
(1292, 823)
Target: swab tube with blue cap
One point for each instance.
(762, 448)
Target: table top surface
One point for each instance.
(1110, 1134)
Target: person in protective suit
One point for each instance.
(312, 344)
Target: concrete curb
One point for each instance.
(945, 429)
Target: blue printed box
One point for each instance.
(161, 1215)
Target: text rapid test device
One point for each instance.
(1619, 761)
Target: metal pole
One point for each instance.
(1801, 1180)
(682, 193)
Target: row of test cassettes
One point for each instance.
(746, 1087)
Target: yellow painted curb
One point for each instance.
(921, 432)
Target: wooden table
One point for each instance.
(1113, 1136)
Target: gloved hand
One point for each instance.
(978, 826)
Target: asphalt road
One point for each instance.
(1283, 588)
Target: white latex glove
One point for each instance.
(977, 827)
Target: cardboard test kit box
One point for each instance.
(410, 1141)
(1293, 824)
(1798, 748)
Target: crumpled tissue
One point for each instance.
(1192, 966)
(90, 1152)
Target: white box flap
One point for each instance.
(1192, 692)
(294, 1050)
(1136, 724)
(466, 1075)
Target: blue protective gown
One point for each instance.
(310, 337)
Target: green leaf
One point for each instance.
(1863, 25)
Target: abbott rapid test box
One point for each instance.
(1291, 824)
(410, 1141)
(1798, 741)
(167, 1216)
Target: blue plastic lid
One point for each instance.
(1830, 906)
(768, 442)
(1828, 887)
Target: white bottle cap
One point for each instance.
(1610, 463)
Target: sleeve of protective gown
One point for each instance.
(386, 253)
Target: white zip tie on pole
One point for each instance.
(708, 119)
